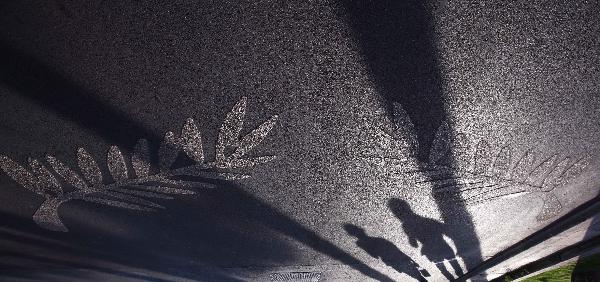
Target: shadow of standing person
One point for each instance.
(386, 251)
(429, 232)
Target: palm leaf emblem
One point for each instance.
(140, 187)
(484, 171)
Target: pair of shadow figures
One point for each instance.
(418, 229)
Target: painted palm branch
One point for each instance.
(133, 183)
(480, 171)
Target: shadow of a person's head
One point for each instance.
(400, 208)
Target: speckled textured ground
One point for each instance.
(411, 139)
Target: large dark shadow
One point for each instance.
(429, 233)
(396, 41)
(385, 250)
(221, 228)
(30, 77)
(27, 252)
(398, 44)
(218, 229)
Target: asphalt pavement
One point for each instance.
(274, 141)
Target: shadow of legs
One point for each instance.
(456, 266)
(440, 265)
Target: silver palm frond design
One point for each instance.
(139, 187)
(481, 171)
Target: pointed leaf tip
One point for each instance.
(481, 159)
(140, 159)
(402, 127)
(89, 168)
(230, 129)
(19, 174)
(441, 144)
(67, 173)
(45, 180)
(192, 141)
(116, 164)
(168, 151)
(254, 138)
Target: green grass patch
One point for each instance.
(564, 273)
(560, 274)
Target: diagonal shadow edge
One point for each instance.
(284, 224)
(262, 213)
(45, 86)
(71, 255)
(572, 218)
(553, 260)
(40, 83)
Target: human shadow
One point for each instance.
(398, 42)
(385, 250)
(429, 233)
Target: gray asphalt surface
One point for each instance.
(412, 140)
